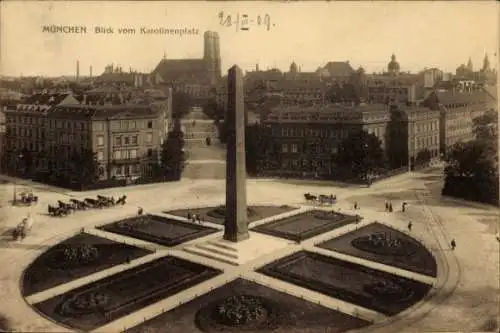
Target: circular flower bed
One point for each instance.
(82, 304)
(385, 244)
(238, 313)
(71, 255)
(220, 212)
(388, 290)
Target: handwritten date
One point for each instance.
(243, 22)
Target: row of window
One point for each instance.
(46, 122)
(125, 124)
(433, 126)
(426, 142)
(127, 170)
(123, 154)
(313, 148)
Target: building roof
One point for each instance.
(49, 99)
(180, 69)
(339, 68)
(451, 97)
(106, 111)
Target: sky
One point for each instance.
(420, 34)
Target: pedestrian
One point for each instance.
(355, 205)
(140, 211)
(403, 206)
(198, 219)
(193, 218)
(390, 207)
(410, 225)
(453, 244)
(386, 205)
(189, 216)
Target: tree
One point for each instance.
(213, 110)
(471, 172)
(181, 104)
(485, 127)
(361, 154)
(83, 167)
(255, 147)
(173, 157)
(423, 157)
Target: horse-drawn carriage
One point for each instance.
(321, 199)
(26, 198)
(64, 208)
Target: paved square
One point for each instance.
(369, 288)
(100, 302)
(76, 257)
(305, 225)
(278, 312)
(158, 229)
(407, 254)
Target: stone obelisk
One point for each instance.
(236, 223)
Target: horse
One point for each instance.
(309, 197)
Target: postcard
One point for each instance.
(249, 166)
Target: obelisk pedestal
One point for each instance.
(236, 223)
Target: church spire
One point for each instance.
(469, 65)
(486, 63)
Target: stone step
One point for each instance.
(207, 254)
(219, 250)
(222, 245)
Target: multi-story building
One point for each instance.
(305, 139)
(124, 138)
(404, 88)
(457, 112)
(412, 131)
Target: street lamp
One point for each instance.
(14, 201)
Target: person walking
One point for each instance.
(140, 211)
(453, 244)
(355, 205)
(386, 205)
(410, 225)
(390, 207)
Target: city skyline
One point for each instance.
(422, 34)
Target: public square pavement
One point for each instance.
(464, 296)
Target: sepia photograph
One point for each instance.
(249, 166)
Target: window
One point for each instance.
(295, 148)
(284, 148)
(118, 141)
(133, 153)
(150, 152)
(150, 124)
(149, 137)
(98, 126)
(118, 154)
(100, 140)
(100, 155)
(126, 140)
(132, 124)
(133, 140)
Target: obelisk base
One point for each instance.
(236, 238)
(238, 253)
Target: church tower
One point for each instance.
(211, 55)
(486, 63)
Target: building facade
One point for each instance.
(457, 112)
(413, 133)
(304, 140)
(125, 139)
